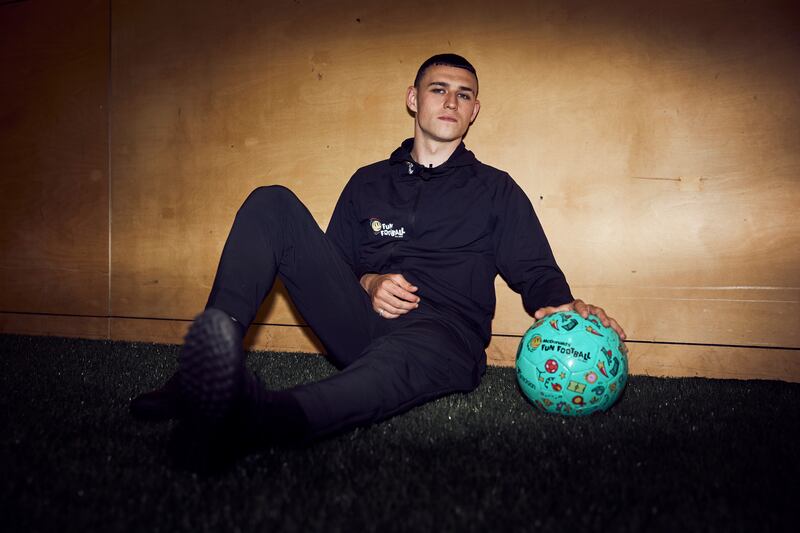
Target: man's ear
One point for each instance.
(475, 111)
(411, 98)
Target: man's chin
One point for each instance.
(443, 134)
(448, 137)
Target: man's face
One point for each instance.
(445, 103)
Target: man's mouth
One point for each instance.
(447, 119)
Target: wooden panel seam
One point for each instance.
(646, 358)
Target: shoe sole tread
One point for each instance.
(210, 367)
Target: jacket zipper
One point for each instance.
(413, 218)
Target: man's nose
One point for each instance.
(451, 102)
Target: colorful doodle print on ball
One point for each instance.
(570, 365)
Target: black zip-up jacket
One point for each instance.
(449, 230)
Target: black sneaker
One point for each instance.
(210, 369)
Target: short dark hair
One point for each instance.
(449, 60)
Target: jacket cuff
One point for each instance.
(552, 294)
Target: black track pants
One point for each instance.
(387, 366)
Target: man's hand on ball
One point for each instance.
(391, 294)
(583, 309)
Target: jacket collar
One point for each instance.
(406, 166)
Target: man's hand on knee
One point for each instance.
(391, 294)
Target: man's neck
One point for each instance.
(429, 153)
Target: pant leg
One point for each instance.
(422, 359)
(275, 235)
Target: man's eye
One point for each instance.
(438, 90)
(465, 96)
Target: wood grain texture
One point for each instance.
(674, 360)
(747, 316)
(657, 144)
(54, 157)
(649, 359)
(148, 330)
(259, 337)
(54, 325)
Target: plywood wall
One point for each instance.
(658, 144)
(54, 168)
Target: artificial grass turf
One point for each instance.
(674, 454)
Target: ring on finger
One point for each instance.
(380, 312)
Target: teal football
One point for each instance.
(571, 365)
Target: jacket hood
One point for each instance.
(406, 166)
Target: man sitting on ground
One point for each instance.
(399, 290)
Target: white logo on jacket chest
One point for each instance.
(386, 229)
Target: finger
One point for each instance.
(544, 311)
(581, 308)
(393, 310)
(385, 314)
(389, 301)
(400, 293)
(600, 313)
(616, 327)
(400, 280)
(397, 296)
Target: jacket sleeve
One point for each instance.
(522, 253)
(343, 229)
